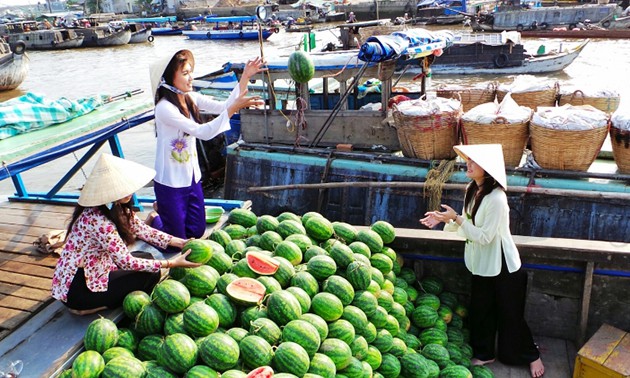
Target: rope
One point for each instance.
(434, 183)
(300, 119)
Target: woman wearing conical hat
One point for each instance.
(96, 270)
(498, 285)
(178, 190)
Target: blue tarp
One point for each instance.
(31, 112)
(413, 42)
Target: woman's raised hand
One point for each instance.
(180, 261)
(433, 218)
(242, 101)
(252, 67)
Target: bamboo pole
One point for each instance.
(421, 185)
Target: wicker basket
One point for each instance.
(469, 97)
(605, 104)
(620, 140)
(512, 136)
(427, 137)
(573, 150)
(533, 99)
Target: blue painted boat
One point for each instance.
(236, 27)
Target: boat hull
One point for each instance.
(47, 39)
(13, 67)
(249, 35)
(577, 33)
(93, 37)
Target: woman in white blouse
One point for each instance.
(177, 183)
(498, 285)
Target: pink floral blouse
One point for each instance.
(95, 245)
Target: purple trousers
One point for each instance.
(181, 211)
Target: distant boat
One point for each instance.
(46, 39)
(139, 32)
(447, 12)
(159, 26)
(236, 27)
(97, 36)
(13, 65)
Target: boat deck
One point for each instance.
(39, 331)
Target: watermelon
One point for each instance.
(200, 281)
(479, 371)
(285, 272)
(100, 335)
(269, 240)
(302, 297)
(242, 269)
(445, 314)
(321, 267)
(353, 370)
(271, 284)
(345, 231)
(225, 309)
(178, 353)
(291, 358)
(200, 250)
(251, 313)
(424, 316)
(200, 319)
(261, 263)
(233, 373)
(338, 351)
(343, 330)
(127, 339)
(433, 336)
(390, 366)
(303, 333)
(266, 223)
(134, 302)
(381, 262)
(359, 275)
(220, 261)
(385, 230)
(201, 371)
(323, 366)
(266, 329)
(237, 333)
(359, 347)
(123, 367)
(261, 372)
(302, 241)
(428, 299)
(114, 352)
(374, 357)
(289, 251)
(255, 351)
(290, 227)
(340, 287)
(282, 307)
(360, 248)
(289, 215)
(171, 296)
(366, 301)
(236, 231)
(414, 365)
(432, 285)
(246, 290)
(318, 322)
(384, 340)
(236, 249)
(221, 237)
(399, 348)
(319, 228)
(342, 254)
(219, 351)
(301, 67)
(154, 370)
(327, 305)
(371, 239)
(174, 323)
(149, 346)
(88, 364)
(243, 217)
(437, 353)
(455, 371)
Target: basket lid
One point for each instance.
(488, 156)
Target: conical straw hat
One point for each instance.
(156, 70)
(112, 179)
(488, 156)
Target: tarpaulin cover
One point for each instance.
(414, 42)
(32, 112)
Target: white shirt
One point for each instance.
(482, 253)
(176, 155)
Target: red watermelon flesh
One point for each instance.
(246, 289)
(261, 263)
(261, 372)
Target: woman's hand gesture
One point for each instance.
(180, 261)
(242, 101)
(433, 218)
(252, 67)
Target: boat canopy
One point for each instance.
(490, 39)
(231, 18)
(158, 20)
(413, 43)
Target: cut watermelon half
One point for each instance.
(246, 290)
(261, 263)
(261, 372)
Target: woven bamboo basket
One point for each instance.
(620, 140)
(470, 97)
(512, 136)
(427, 137)
(533, 99)
(573, 150)
(605, 104)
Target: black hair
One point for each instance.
(475, 194)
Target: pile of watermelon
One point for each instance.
(297, 295)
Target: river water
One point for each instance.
(114, 70)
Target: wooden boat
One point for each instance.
(98, 36)
(236, 27)
(577, 33)
(13, 65)
(491, 53)
(449, 12)
(517, 18)
(158, 26)
(139, 32)
(47, 39)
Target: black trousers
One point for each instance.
(121, 282)
(498, 306)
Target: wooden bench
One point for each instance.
(606, 354)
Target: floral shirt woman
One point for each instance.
(95, 245)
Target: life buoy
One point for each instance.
(572, 26)
(519, 27)
(533, 26)
(606, 23)
(19, 48)
(501, 60)
(544, 26)
(209, 35)
(150, 38)
(240, 34)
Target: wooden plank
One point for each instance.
(39, 220)
(17, 303)
(34, 258)
(25, 232)
(25, 292)
(10, 318)
(586, 301)
(619, 360)
(25, 280)
(27, 269)
(601, 345)
(30, 206)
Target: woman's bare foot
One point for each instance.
(537, 368)
(476, 361)
(87, 312)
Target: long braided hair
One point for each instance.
(475, 194)
(188, 107)
(120, 214)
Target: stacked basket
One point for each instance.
(469, 97)
(607, 104)
(427, 137)
(620, 140)
(532, 99)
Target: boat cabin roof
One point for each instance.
(231, 18)
(20, 26)
(490, 39)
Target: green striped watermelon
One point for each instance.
(302, 241)
(338, 351)
(220, 261)
(437, 353)
(269, 240)
(89, 364)
(366, 301)
(300, 67)
(354, 369)
(123, 367)
(433, 336)
(267, 329)
(134, 302)
(178, 353)
(360, 248)
(340, 287)
(390, 366)
(385, 230)
(291, 358)
(327, 305)
(374, 357)
(114, 352)
(323, 366)
(174, 323)
(201, 281)
(321, 267)
(424, 316)
(243, 217)
(289, 251)
(285, 272)
(282, 307)
(236, 232)
(290, 227)
(318, 322)
(414, 365)
(266, 223)
(100, 335)
(200, 250)
(255, 351)
(359, 275)
(345, 231)
(343, 330)
(219, 351)
(225, 309)
(200, 319)
(237, 333)
(455, 371)
(306, 282)
(127, 338)
(154, 370)
(303, 333)
(148, 347)
(319, 228)
(221, 237)
(342, 254)
(201, 371)
(302, 297)
(289, 215)
(371, 239)
(384, 340)
(359, 347)
(171, 296)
